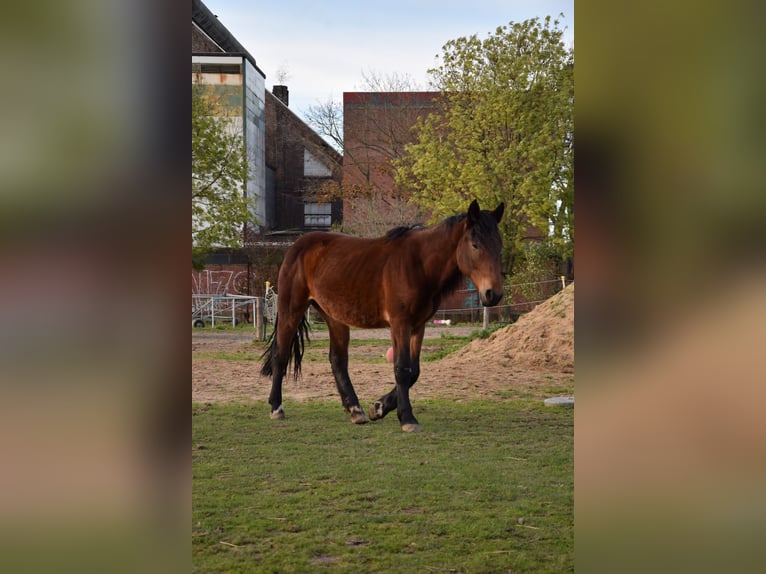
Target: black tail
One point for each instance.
(269, 355)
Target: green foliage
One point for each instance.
(487, 487)
(506, 133)
(220, 207)
(537, 262)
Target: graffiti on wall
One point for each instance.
(219, 282)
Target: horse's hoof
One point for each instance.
(278, 414)
(411, 427)
(376, 411)
(357, 416)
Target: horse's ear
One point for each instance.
(498, 213)
(474, 212)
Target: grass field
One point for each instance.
(487, 487)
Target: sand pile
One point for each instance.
(542, 339)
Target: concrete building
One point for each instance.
(228, 72)
(289, 162)
(290, 165)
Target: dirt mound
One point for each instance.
(543, 339)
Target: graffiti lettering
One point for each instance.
(219, 282)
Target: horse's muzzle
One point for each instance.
(490, 298)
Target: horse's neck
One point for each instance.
(439, 245)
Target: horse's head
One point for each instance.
(478, 253)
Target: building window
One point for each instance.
(317, 214)
(312, 167)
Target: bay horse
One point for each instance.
(395, 281)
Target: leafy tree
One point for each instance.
(506, 134)
(534, 268)
(220, 207)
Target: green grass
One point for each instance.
(487, 487)
(435, 349)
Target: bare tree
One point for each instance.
(326, 118)
(283, 74)
(393, 82)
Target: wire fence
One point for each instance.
(473, 312)
(233, 309)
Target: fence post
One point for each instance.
(259, 325)
(563, 282)
(486, 318)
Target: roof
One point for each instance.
(390, 98)
(210, 25)
(318, 140)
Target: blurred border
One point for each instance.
(94, 222)
(671, 312)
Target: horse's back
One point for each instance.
(343, 258)
(343, 274)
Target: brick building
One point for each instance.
(299, 164)
(376, 127)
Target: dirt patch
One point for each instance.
(533, 358)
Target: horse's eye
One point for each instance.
(474, 245)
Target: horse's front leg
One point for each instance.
(389, 401)
(406, 371)
(383, 406)
(403, 374)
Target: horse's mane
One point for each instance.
(452, 220)
(484, 224)
(403, 230)
(397, 232)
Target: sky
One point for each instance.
(322, 49)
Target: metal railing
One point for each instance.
(222, 309)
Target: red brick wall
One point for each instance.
(376, 127)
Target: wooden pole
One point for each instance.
(260, 327)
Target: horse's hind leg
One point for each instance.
(339, 338)
(287, 325)
(280, 359)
